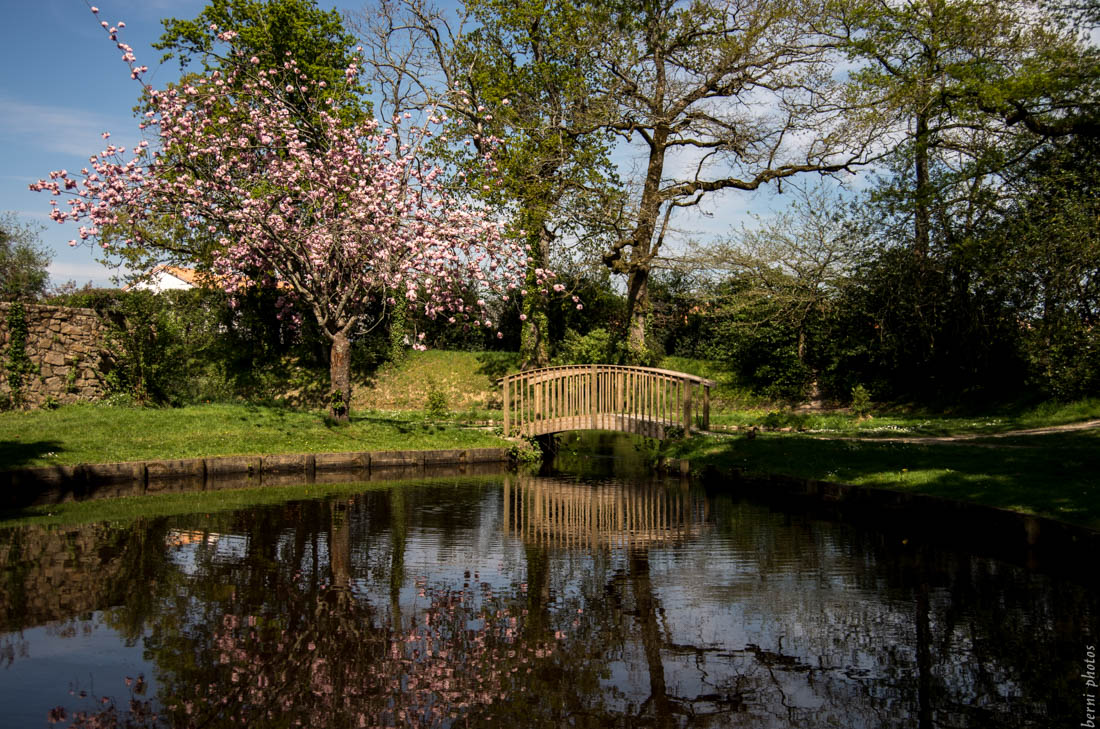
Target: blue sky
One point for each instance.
(64, 84)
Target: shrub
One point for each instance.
(437, 406)
(596, 347)
(861, 401)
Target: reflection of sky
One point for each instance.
(83, 654)
(763, 608)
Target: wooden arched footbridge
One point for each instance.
(641, 400)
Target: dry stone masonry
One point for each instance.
(63, 348)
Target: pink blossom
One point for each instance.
(354, 216)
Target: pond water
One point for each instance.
(533, 601)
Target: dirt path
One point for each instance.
(930, 439)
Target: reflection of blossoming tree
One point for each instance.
(344, 215)
(462, 651)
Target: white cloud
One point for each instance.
(55, 128)
(81, 273)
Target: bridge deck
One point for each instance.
(642, 400)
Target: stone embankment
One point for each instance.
(56, 484)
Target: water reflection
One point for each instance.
(566, 513)
(531, 601)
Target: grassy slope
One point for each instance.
(466, 380)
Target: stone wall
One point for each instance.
(63, 345)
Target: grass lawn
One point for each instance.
(75, 434)
(1054, 475)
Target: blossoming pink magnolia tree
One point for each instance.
(342, 215)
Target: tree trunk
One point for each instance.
(534, 331)
(922, 218)
(637, 306)
(644, 248)
(340, 377)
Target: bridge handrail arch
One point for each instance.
(643, 400)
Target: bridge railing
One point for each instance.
(643, 400)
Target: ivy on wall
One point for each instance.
(18, 364)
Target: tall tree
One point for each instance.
(342, 219)
(721, 95)
(23, 261)
(959, 83)
(530, 61)
(791, 266)
(972, 91)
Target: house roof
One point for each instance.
(154, 279)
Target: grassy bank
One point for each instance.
(1053, 475)
(1049, 474)
(100, 434)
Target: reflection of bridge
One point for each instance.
(640, 400)
(569, 514)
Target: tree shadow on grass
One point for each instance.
(16, 453)
(1051, 475)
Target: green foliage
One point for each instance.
(531, 63)
(268, 29)
(1049, 260)
(200, 345)
(437, 407)
(525, 451)
(599, 346)
(23, 262)
(18, 365)
(143, 349)
(338, 404)
(727, 324)
(399, 331)
(861, 401)
(495, 365)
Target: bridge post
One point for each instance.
(706, 406)
(592, 399)
(687, 408)
(507, 397)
